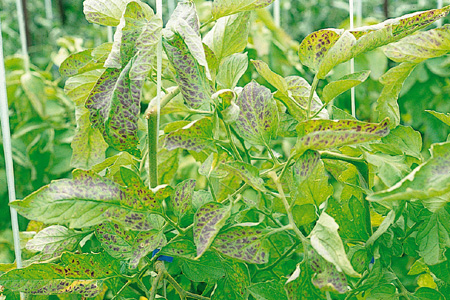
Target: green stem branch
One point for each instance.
(311, 95)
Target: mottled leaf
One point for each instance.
(335, 88)
(79, 87)
(208, 220)
(243, 243)
(246, 172)
(325, 134)
(195, 136)
(128, 245)
(441, 116)
(114, 106)
(258, 118)
(231, 70)
(136, 36)
(181, 247)
(86, 60)
(184, 11)
(268, 290)
(53, 240)
(234, 284)
(229, 35)
(420, 46)
(222, 8)
(393, 81)
(104, 12)
(326, 241)
(82, 274)
(299, 285)
(88, 145)
(181, 200)
(430, 179)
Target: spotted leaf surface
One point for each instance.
(127, 245)
(53, 240)
(191, 77)
(258, 118)
(235, 283)
(114, 106)
(244, 243)
(79, 87)
(136, 36)
(325, 134)
(208, 221)
(88, 200)
(441, 116)
(182, 197)
(88, 145)
(335, 88)
(84, 61)
(83, 274)
(181, 248)
(326, 241)
(246, 172)
(326, 277)
(299, 285)
(195, 136)
(421, 46)
(430, 179)
(104, 12)
(222, 8)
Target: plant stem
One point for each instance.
(311, 96)
(207, 23)
(279, 259)
(272, 155)
(152, 134)
(233, 146)
(335, 155)
(164, 101)
(161, 272)
(121, 289)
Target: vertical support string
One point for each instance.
(48, 10)
(277, 13)
(358, 13)
(23, 34)
(110, 34)
(159, 10)
(439, 6)
(352, 62)
(6, 133)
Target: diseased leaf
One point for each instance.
(268, 290)
(208, 220)
(243, 243)
(222, 8)
(420, 46)
(234, 285)
(246, 172)
(136, 37)
(181, 248)
(127, 245)
(231, 70)
(393, 80)
(441, 116)
(104, 12)
(79, 87)
(168, 162)
(430, 179)
(258, 119)
(326, 134)
(82, 274)
(114, 106)
(299, 285)
(86, 60)
(335, 88)
(326, 241)
(88, 145)
(229, 35)
(182, 197)
(195, 136)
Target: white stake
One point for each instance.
(352, 62)
(6, 133)
(358, 13)
(277, 12)
(23, 34)
(158, 71)
(48, 10)
(439, 6)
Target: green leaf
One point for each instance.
(191, 77)
(402, 140)
(128, 245)
(229, 35)
(433, 237)
(231, 70)
(299, 285)
(235, 283)
(136, 37)
(168, 162)
(420, 46)
(195, 136)
(335, 88)
(180, 247)
(426, 293)
(79, 87)
(207, 268)
(88, 145)
(85, 61)
(88, 200)
(52, 241)
(430, 179)
(244, 243)
(441, 116)
(382, 292)
(326, 134)
(393, 80)
(390, 169)
(34, 88)
(181, 200)
(222, 8)
(246, 172)
(271, 77)
(268, 290)
(82, 274)
(114, 106)
(258, 118)
(326, 241)
(208, 221)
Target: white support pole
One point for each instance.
(159, 10)
(277, 12)
(352, 61)
(439, 5)
(6, 134)
(23, 35)
(358, 13)
(48, 10)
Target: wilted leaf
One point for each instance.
(335, 88)
(208, 220)
(222, 8)
(243, 243)
(104, 12)
(195, 136)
